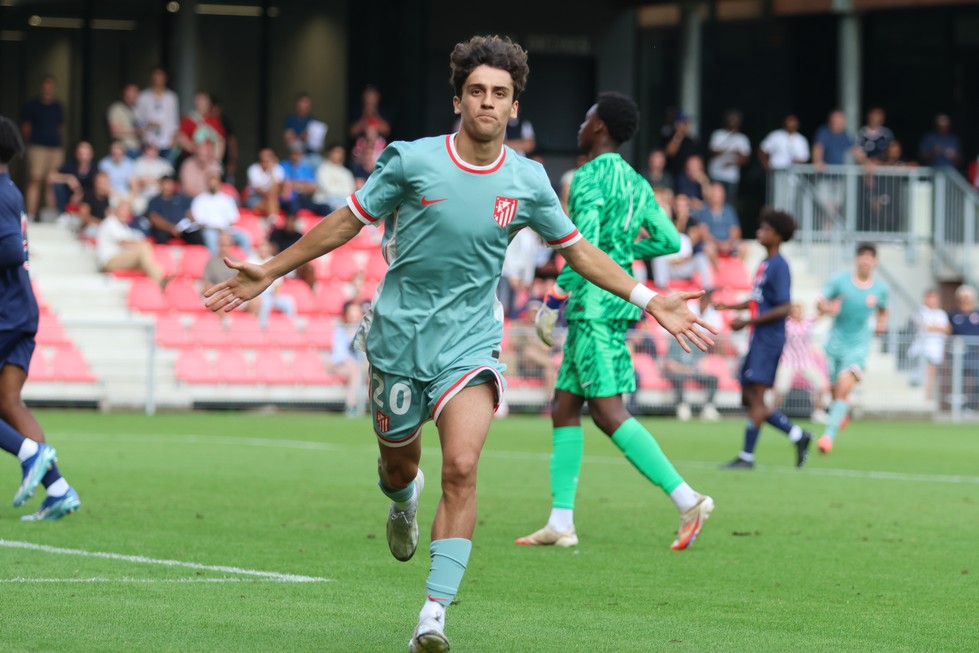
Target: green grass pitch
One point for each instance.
(873, 548)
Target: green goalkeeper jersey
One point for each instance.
(610, 203)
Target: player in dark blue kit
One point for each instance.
(18, 325)
(769, 305)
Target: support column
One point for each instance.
(184, 73)
(849, 63)
(691, 62)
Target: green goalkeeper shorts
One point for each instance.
(597, 362)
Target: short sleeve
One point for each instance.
(548, 219)
(769, 142)
(744, 145)
(831, 289)
(384, 189)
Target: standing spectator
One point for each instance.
(334, 181)
(941, 148)
(520, 136)
(657, 175)
(266, 181)
(198, 127)
(349, 363)
(169, 215)
(680, 145)
(693, 180)
(965, 322)
(301, 181)
(118, 247)
(71, 180)
(366, 150)
(158, 112)
(216, 212)
(931, 327)
(873, 138)
(832, 142)
(370, 115)
(122, 122)
(119, 168)
(784, 147)
(681, 366)
(229, 162)
(42, 122)
(721, 227)
(729, 152)
(148, 170)
(895, 156)
(196, 169)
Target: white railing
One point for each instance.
(956, 235)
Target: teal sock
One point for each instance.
(398, 496)
(642, 450)
(568, 447)
(837, 412)
(449, 560)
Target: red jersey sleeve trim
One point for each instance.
(567, 241)
(359, 211)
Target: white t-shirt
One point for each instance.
(784, 149)
(153, 169)
(930, 343)
(686, 250)
(217, 211)
(111, 234)
(726, 165)
(159, 116)
(333, 182)
(260, 179)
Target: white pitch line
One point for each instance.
(123, 579)
(268, 575)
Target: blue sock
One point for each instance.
(52, 476)
(398, 496)
(449, 560)
(837, 411)
(750, 437)
(784, 424)
(10, 439)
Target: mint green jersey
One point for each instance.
(609, 203)
(852, 329)
(447, 225)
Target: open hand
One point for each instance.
(250, 282)
(673, 314)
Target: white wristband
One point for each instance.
(641, 296)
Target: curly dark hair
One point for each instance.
(869, 248)
(781, 222)
(11, 144)
(496, 51)
(620, 114)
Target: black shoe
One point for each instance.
(802, 449)
(739, 463)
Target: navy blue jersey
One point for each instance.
(18, 307)
(773, 281)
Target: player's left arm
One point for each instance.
(880, 326)
(663, 237)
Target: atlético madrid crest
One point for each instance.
(505, 211)
(383, 422)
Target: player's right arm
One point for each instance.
(827, 303)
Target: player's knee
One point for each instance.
(608, 420)
(10, 404)
(397, 473)
(459, 471)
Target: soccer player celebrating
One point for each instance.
(609, 203)
(769, 304)
(432, 337)
(851, 299)
(18, 326)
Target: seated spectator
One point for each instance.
(301, 181)
(519, 265)
(349, 363)
(366, 150)
(94, 205)
(931, 327)
(266, 183)
(370, 115)
(687, 262)
(799, 358)
(941, 148)
(120, 170)
(148, 170)
(334, 181)
(657, 175)
(216, 212)
(679, 367)
(169, 216)
(965, 322)
(119, 247)
(286, 236)
(199, 127)
(693, 181)
(121, 118)
(215, 270)
(196, 169)
(784, 147)
(74, 177)
(873, 138)
(722, 230)
(272, 299)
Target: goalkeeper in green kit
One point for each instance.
(609, 203)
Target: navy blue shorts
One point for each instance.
(16, 348)
(759, 365)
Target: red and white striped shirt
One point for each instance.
(797, 353)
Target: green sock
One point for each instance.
(837, 411)
(642, 450)
(566, 453)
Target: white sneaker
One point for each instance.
(547, 536)
(683, 412)
(709, 413)
(429, 636)
(402, 527)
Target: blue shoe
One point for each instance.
(34, 468)
(56, 507)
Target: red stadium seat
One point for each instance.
(145, 295)
(301, 293)
(330, 298)
(193, 260)
(271, 369)
(164, 256)
(283, 333)
(377, 267)
(650, 377)
(254, 227)
(308, 369)
(171, 332)
(50, 331)
(208, 331)
(231, 367)
(343, 265)
(193, 367)
(68, 364)
(40, 369)
(184, 296)
(318, 333)
(732, 273)
(721, 368)
(245, 332)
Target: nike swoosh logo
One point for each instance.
(435, 598)
(587, 383)
(426, 202)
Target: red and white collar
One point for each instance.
(450, 142)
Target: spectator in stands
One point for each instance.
(216, 214)
(197, 169)
(520, 136)
(122, 122)
(158, 112)
(118, 247)
(784, 147)
(721, 227)
(198, 127)
(895, 156)
(965, 322)
(799, 358)
(931, 328)
(730, 151)
(693, 181)
(301, 127)
(42, 123)
(148, 170)
(272, 299)
(169, 215)
(681, 366)
(266, 183)
(301, 179)
(370, 115)
(657, 175)
(687, 262)
(531, 358)
(519, 265)
(229, 162)
(679, 145)
(349, 363)
(119, 169)
(334, 180)
(285, 236)
(75, 177)
(94, 205)
(366, 150)
(216, 271)
(832, 144)
(941, 148)
(873, 138)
